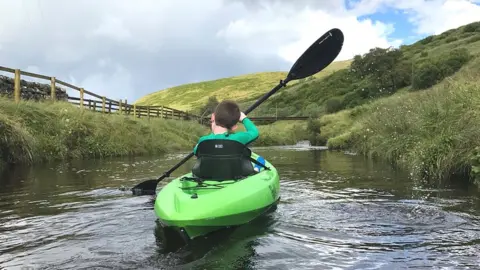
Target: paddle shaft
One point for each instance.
(251, 108)
(267, 95)
(318, 56)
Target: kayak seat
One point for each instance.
(222, 159)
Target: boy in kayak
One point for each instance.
(223, 123)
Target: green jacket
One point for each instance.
(244, 137)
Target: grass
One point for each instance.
(282, 133)
(238, 88)
(432, 133)
(33, 132)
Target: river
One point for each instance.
(337, 211)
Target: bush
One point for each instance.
(433, 70)
(313, 110)
(314, 134)
(333, 105)
(451, 39)
(472, 27)
(426, 40)
(426, 75)
(352, 99)
(209, 107)
(473, 39)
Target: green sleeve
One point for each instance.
(199, 141)
(251, 134)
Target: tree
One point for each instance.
(209, 107)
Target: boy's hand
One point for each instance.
(242, 116)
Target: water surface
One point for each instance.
(337, 211)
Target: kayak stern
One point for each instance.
(194, 208)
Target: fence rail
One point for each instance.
(101, 104)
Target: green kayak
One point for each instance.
(196, 207)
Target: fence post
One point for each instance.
(103, 104)
(148, 112)
(17, 86)
(134, 110)
(161, 108)
(53, 91)
(81, 98)
(109, 106)
(120, 106)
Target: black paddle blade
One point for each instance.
(146, 187)
(318, 56)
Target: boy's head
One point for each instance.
(227, 114)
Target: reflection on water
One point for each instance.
(338, 211)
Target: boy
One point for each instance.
(224, 121)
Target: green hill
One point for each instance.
(430, 124)
(379, 73)
(415, 106)
(240, 88)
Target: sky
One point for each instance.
(127, 49)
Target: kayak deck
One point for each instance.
(199, 207)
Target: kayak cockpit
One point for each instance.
(223, 159)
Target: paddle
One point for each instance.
(317, 57)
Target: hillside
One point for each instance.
(430, 126)
(380, 73)
(239, 88)
(34, 132)
(415, 106)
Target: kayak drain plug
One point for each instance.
(194, 196)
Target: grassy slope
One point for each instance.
(41, 131)
(433, 133)
(239, 88)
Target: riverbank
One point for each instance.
(33, 132)
(432, 133)
(281, 133)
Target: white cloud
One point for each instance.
(287, 34)
(428, 16)
(123, 49)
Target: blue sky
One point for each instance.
(125, 50)
(399, 19)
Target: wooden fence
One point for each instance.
(96, 102)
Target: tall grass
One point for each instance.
(42, 131)
(282, 133)
(432, 133)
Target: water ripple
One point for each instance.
(337, 212)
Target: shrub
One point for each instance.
(333, 105)
(426, 40)
(433, 70)
(352, 99)
(314, 134)
(472, 27)
(473, 39)
(451, 39)
(426, 75)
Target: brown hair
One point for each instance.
(227, 114)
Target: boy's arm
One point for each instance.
(251, 134)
